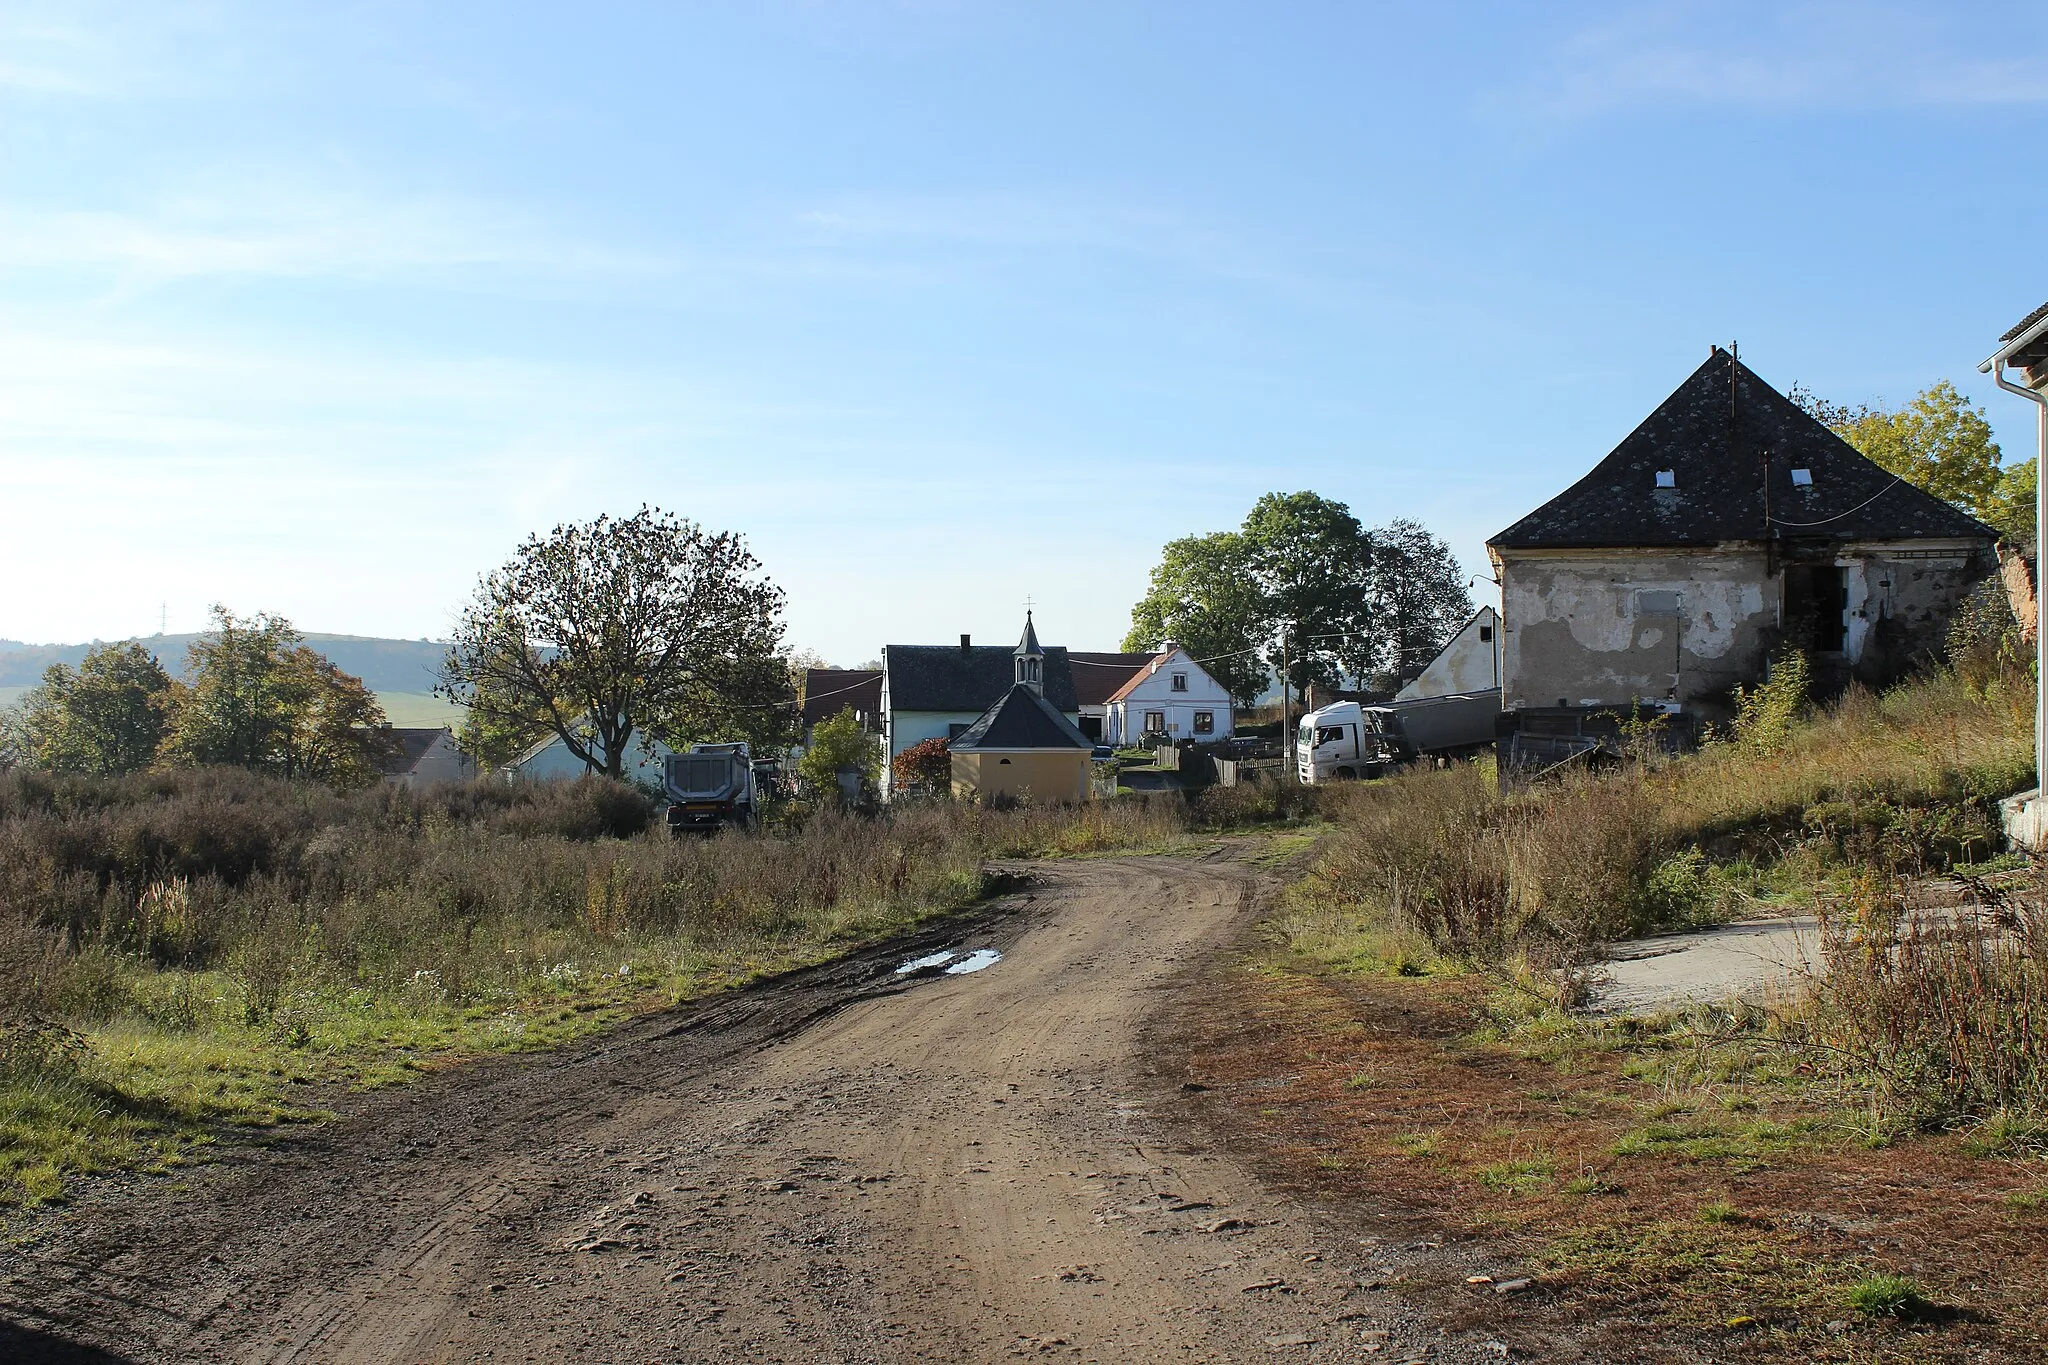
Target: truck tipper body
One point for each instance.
(1348, 739)
(712, 787)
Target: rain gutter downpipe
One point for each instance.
(1995, 367)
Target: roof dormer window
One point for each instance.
(1802, 478)
(1667, 478)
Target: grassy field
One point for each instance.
(421, 710)
(1832, 1176)
(185, 953)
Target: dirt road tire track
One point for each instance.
(836, 1166)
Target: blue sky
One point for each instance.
(319, 309)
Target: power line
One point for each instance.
(1780, 521)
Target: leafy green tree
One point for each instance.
(1313, 562)
(1303, 580)
(259, 698)
(1203, 597)
(2011, 507)
(1941, 442)
(231, 710)
(607, 629)
(330, 727)
(497, 733)
(1420, 599)
(109, 715)
(835, 744)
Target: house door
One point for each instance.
(1816, 607)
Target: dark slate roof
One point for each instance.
(828, 691)
(949, 678)
(2024, 323)
(1027, 643)
(408, 745)
(1098, 676)
(1021, 720)
(1719, 493)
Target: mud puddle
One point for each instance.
(951, 962)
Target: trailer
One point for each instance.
(712, 787)
(1350, 740)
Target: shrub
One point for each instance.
(1764, 713)
(925, 767)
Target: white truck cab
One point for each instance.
(1341, 740)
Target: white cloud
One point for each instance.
(1788, 56)
(246, 226)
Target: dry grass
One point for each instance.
(208, 940)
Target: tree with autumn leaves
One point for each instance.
(255, 696)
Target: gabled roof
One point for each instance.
(1021, 720)
(828, 691)
(2024, 323)
(1154, 663)
(409, 744)
(2024, 346)
(1097, 677)
(971, 679)
(1715, 445)
(1131, 683)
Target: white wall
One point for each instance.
(1467, 663)
(914, 727)
(1153, 691)
(555, 763)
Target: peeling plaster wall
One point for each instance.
(1607, 627)
(1467, 664)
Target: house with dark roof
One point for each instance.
(828, 691)
(416, 756)
(1097, 678)
(1022, 748)
(1727, 527)
(938, 691)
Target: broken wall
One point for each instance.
(1610, 627)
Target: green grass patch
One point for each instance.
(1887, 1296)
(1685, 1270)
(1519, 1175)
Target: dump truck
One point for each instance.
(1349, 739)
(712, 787)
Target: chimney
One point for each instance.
(966, 642)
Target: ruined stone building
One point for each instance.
(1727, 527)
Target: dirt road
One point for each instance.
(851, 1164)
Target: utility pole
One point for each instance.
(1287, 706)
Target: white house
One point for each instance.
(1469, 663)
(551, 761)
(420, 756)
(938, 691)
(1172, 696)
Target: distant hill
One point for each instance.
(403, 666)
